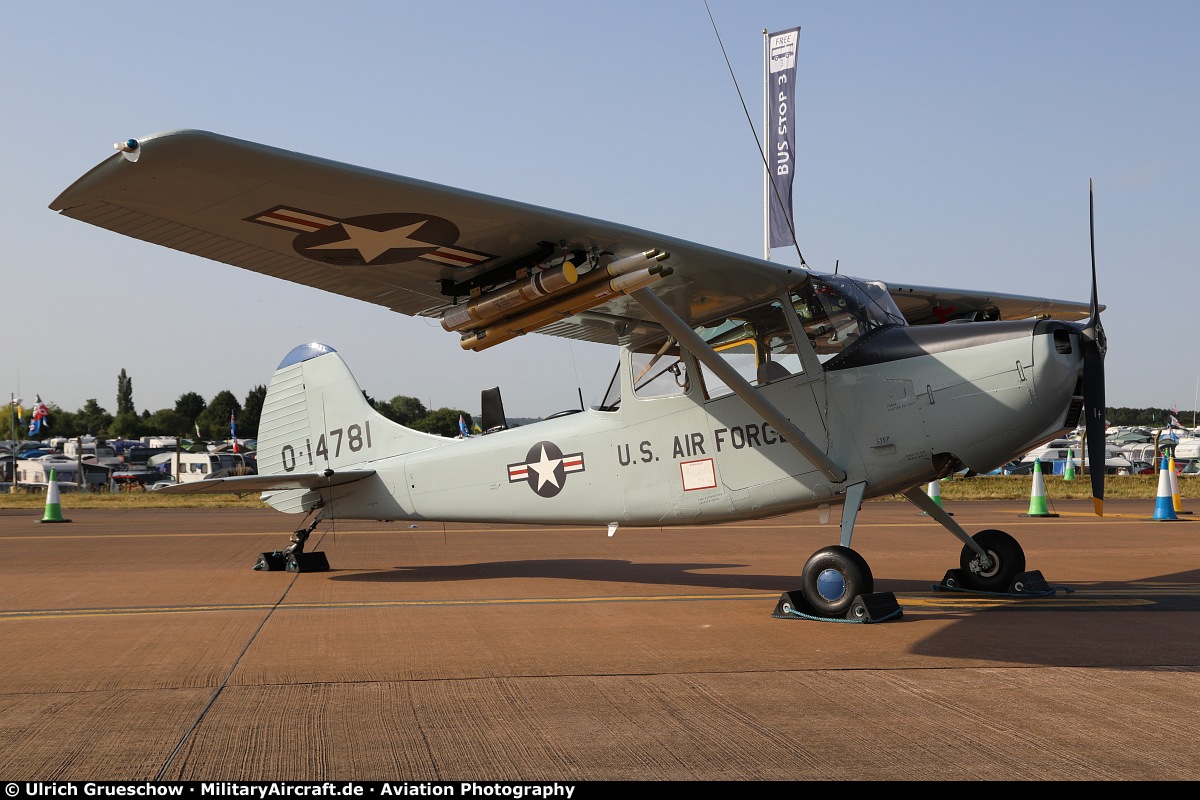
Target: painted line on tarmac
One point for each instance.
(105, 612)
(1024, 603)
(1020, 519)
(928, 602)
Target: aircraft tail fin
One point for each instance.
(315, 417)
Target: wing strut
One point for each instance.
(740, 386)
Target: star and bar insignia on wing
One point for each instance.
(545, 468)
(372, 239)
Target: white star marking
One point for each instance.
(372, 244)
(545, 469)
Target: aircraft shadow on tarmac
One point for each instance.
(983, 632)
(703, 575)
(595, 569)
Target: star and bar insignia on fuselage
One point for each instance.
(372, 239)
(545, 468)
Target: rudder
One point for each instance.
(315, 417)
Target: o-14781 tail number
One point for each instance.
(355, 437)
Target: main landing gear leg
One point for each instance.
(293, 558)
(837, 584)
(991, 561)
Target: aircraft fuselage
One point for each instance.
(902, 408)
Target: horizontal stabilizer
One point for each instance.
(247, 484)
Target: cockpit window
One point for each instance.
(659, 370)
(836, 311)
(757, 343)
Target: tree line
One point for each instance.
(1148, 417)
(193, 416)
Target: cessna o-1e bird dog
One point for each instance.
(745, 388)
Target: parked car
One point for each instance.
(1182, 467)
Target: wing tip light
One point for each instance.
(130, 148)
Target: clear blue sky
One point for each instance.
(941, 143)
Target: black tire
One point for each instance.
(832, 578)
(1008, 562)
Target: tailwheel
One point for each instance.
(833, 578)
(1007, 561)
(293, 558)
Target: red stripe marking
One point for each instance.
(457, 257)
(297, 220)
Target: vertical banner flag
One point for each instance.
(462, 426)
(233, 429)
(781, 119)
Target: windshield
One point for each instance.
(836, 311)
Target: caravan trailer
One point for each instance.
(188, 467)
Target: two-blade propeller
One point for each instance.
(1094, 347)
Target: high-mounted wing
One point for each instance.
(405, 244)
(423, 249)
(927, 305)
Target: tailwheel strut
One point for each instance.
(293, 558)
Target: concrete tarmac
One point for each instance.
(141, 645)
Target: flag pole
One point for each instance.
(766, 168)
(12, 411)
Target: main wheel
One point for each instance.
(1008, 561)
(833, 577)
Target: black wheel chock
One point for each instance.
(866, 608)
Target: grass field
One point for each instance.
(992, 487)
(69, 500)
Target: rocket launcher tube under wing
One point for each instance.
(580, 300)
(629, 263)
(496, 304)
(537, 289)
(635, 280)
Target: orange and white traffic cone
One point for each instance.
(53, 505)
(1037, 497)
(1176, 498)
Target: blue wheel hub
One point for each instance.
(831, 585)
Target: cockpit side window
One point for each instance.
(757, 343)
(659, 369)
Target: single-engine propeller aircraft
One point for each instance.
(744, 389)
